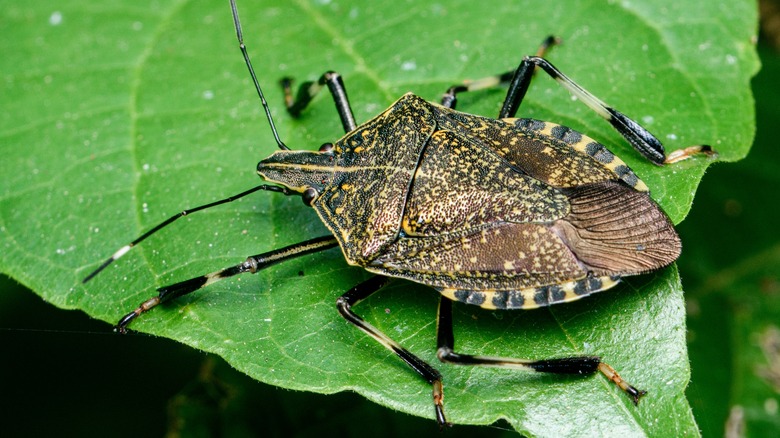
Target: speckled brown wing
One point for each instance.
(518, 213)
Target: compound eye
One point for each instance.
(309, 195)
(326, 147)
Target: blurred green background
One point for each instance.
(62, 360)
(730, 269)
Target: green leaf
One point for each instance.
(116, 116)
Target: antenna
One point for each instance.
(242, 46)
(123, 250)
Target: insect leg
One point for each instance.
(251, 264)
(449, 99)
(309, 89)
(430, 374)
(640, 138)
(580, 365)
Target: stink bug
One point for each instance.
(502, 213)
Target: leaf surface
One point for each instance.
(116, 116)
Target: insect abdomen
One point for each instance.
(532, 297)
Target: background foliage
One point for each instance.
(117, 115)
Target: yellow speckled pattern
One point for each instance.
(511, 213)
